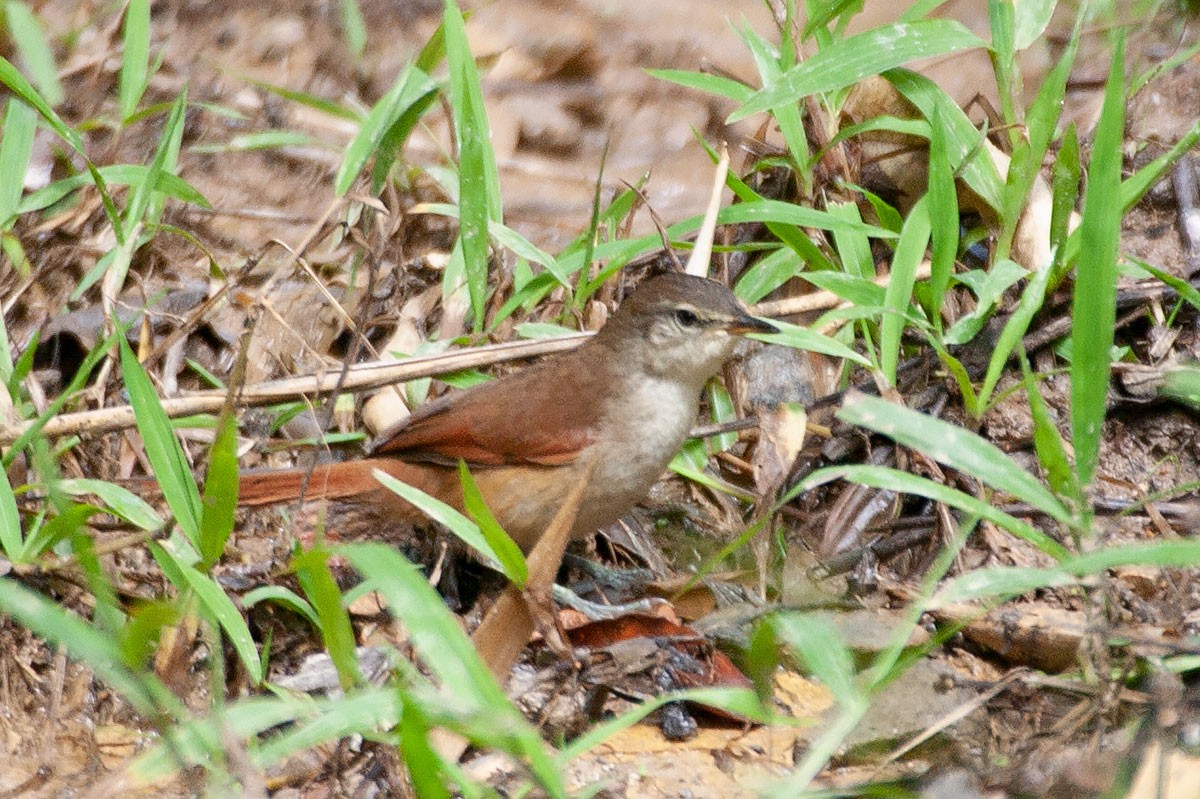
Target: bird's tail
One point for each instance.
(323, 481)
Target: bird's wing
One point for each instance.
(510, 421)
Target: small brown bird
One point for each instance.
(625, 400)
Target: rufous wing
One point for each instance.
(515, 420)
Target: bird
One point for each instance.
(616, 410)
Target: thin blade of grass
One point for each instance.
(219, 502)
(848, 61)
(1093, 306)
(166, 456)
(910, 251)
(903, 482)
(964, 143)
(224, 614)
(166, 155)
(16, 146)
(354, 28)
(135, 57)
(116, 175)
(943, 213)
(312, 571)
(11, 539)
(505, 549)
(804, 339)
(712, 84)
(953, 446)
(1048, 443)
(36, 52)
(118, 500)
(51, 621)
(467, 530)
(449, 654)
(815, 641)
(479, 181)
(408, 90)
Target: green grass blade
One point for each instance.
(1014, 330)
(910, 250)
(424, 766)
(285, 597)
(1048, 443)
(312, 570)
(118, 500)
(16, 146)
(863, 55)
(509, 555)
(162, 448)
(135, 58)
(36, 52)
(118, 175)
(997, 583)
(804, 339)
(78, 381)
(713, 84)
(1093, 307)
(953, 446)
(11, 539)
(220, 493)
(478, 179)
(906, 483)
(51, 621)
(165, 157)
(821, 649)
(943, 214)
(354, 28)
(449, 654)
(448, 517)
(221, 611)
(964, 144)
(410, 88)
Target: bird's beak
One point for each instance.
(750, 324)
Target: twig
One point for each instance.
(360, 378)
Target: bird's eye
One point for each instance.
(686, 318)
